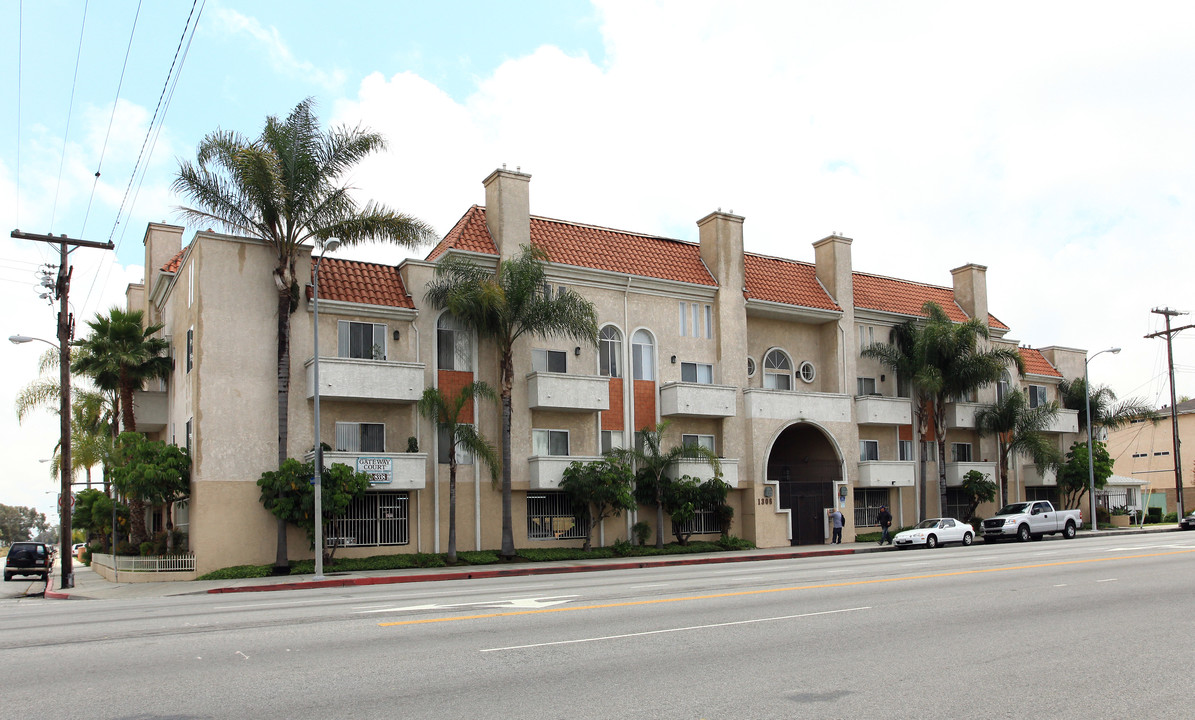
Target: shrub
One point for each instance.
(147, 548)
(622, 548)
(1171, 517)
(732, 542)
(85, 558)
(127, 548)
(1103, 516)
(1153, 515)
(642, 531)
(482, 557)
(237, 572)
(1120, 510)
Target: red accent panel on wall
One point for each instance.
(451, 382)
(612, 418)
(904, 432)
(645, 404)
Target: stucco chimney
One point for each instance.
(162, 242)
(508, 210)
(971, 290)
(834, 269)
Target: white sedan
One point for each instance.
(934, 532)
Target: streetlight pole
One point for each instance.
(1090, 444)
(329, 245)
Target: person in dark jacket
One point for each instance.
(884, 518)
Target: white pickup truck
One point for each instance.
(1032, 519)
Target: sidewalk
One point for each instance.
(90, 586)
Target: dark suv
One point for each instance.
(29, 558)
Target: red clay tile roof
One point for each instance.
(905, 297)
(469, 233)
(360, 282)
(784, 281)
(172, 265)
(1037, 364)
(589, 246)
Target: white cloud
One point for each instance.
(279, 53)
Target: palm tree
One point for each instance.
(503, 305)
(944, 361)
(445, 412)
(1019, 430)
(120, 349)
(283, 189)
(1105, 411)
(652, 461)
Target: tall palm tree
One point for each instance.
(503, 305)
(653, 461)
(1105, 411)
(445, 411)
(1019, 429)
(944, 361)
(120, 348)
(284, 188)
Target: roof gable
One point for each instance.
(906, 297)
(784, 281)
(470, 234)
(1037, 364)
(173, 263)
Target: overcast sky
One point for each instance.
(1051, 142)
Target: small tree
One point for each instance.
(598, 490)
(150, 471)
(685, 496)
(1074, 477)
(288, 493)
(93, 513)
(978, 488)
(17, 522)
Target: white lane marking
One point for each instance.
(275, 604)
(1107, 580)
(672, 630)
(517, 603)
(453, 593)
(1150, 547)
(639, 587)
(1062, 585)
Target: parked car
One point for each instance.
(29, 558)
(1032, 519)
(77, 549)
(1188, 523)
(934, 532)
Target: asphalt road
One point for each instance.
(1055, 629)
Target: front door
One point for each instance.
(808, 511)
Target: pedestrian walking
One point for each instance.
(884, 518)
(837, 520)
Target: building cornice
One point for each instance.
(768, 308)
(344, 307)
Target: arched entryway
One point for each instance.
(805, 465)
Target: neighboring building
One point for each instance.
(756, 357)
(1143, 450)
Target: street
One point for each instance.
(1055, 629)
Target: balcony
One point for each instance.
(366, 380)
(760, 403)
(702, 470)
(149, 410)
(1066, 421)
(544, 472)
(886, 473)
(570, 393)
(681, 399)
(879, 410)
(390, 471)
(1030, 476)
(962, 414)
(956, 470)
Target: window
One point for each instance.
(777, 371)
(695, 320)
(697, 373)
(1003, 387)
(610, 352)
(375, 518)
(463, 456)
(1037, 396)
(1138, 455)
(454, 344)
(360, 437)
(190, 447)
(550, 516)
(684, 317)
(190, 348)
(1137, 421)
(709, 322)
(904, 449)
(866, 336)
(1164, 452)
(555, 361)
(705, 441)
(611, 439)
(750, 367)
(904, 388)
(365, 341)
(960, 452)
(807, 372)
(703, 522)
(191, 283)
(643, 356)
(929, 450)
(867, 506)
(866, 386)
(869, 450)
(549, 442)
(957, 503)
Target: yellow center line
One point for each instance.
(741, 593)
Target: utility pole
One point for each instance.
(66, 331)
(1170, 333)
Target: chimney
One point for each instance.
(721, 236)
(162, 242)
(834, 269)
(508, 210)
(971, 290)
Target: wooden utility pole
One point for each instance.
(1170, 333)
(66, 331)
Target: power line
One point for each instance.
(69, 111)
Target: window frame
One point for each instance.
(643, 368)
(812, 374)
(551, 516)
(447, 325)
(861, 386)
(550, 433)
(709, 442)
(955, 451)
(1038, 395)
(544, 357)
(772, 375)
(360, 435)
(463, 456)
(610, 352)
(344, 339)
(869, 450)
(697, 368)
(606, 440)
(904, 450)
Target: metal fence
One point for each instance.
(183, 562)
(376, 518)
(704, 522)
(550, 516)
(867, 506)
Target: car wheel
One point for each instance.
(1023, 533)
(1068, 532)
(7, 577)
(931, 542)
(967, 538)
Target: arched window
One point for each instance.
(777, 371)
(454, 344)
(610, 352)
(643, 356)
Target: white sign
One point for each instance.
(379, 469)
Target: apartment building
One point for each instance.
(755, 357)
(1143, 460)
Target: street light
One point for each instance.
(64, 418)
(1090, 444)
(329, 246)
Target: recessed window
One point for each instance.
(190, 348)
(549, 442)
(777, 371)
(366, 341)
(550, 516)
(866, 336)
(610, 352)
(463, 456)
(865, 386)
(360, 437)
(807, 372)
(611, 440)
(697, 373)
(1164, 452)
(1038, 396)
(960, 452)
(705, 441)
(750, 367)
(869, 450)
(454, 344)
(1140, 455)
(1004, 386)
(643, 356)
(554, 361)
(905, 448)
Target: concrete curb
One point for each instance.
(51, 594)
